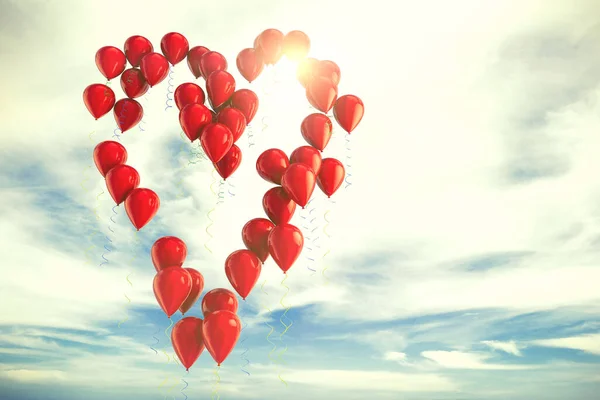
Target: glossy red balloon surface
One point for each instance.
(193, 118)
(299, 182)
(269, 45)
(285, 245)
(316, 129)
(230, 163)
(168, 251)
(246, 101)
(242, 268)
(133, 83)
(195, 292)
(250, 64)
(171, 287)
(216, 140)
(296, 45)
(220, 86)
(278, 205)
(141, 206)
(187, 340)
(108, 155)
(188, 93)
(128, 113)
(175, 47)
(271, 165)
(255, 235)
(136, 47)
(98, 99)
(321, 94)
(308, 156)
(234, 119)
(120, 182)
(155, 68)
(348, 112)
(219, 299)
(212, 61)
(331, 176)
(110, 61)
(193, 59)
(221, 331)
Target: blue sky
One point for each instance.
(462, 262)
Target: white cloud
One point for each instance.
(465, 360)
(586, 343)
(507, 347)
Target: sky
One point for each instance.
(462, 261)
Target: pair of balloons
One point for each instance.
(122, 183)
(99, 99)
(218, 332)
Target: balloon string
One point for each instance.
(152, 346)
(143, 121)
(286, 326)
(250, 136)
(107, 237)
(136, 241)
(185, 387)
(215, 392)
(98, 204)
(87, 251)
(179, 183)
(230, 188)
(325, 226)
(170, 88)
(165, 352)
(307, 230)
(117, 131)
(210, 220)
(348, 161)
(221, 195)
(243, 355)
(262, 288)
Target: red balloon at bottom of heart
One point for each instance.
(141, 206)
(221, 331)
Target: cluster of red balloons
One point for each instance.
(123, 181)
(298, 174)
(178, 288)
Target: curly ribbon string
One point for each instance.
(284, 315)
(185, 387)
(221, 195)
(166, 355)
(87, 251)
(210, 220)
(170, 88)
(230, 188)
(155, 344)
(98, 204)
(348, 161)
(325, 226)
(262, 289)
(250, 136)
(143, 121)
(305, 224)
(215, 392)
(243, 356)
(107, 249)
(117, 131)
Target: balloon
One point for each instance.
(221, 331)
(108, 155)
(171, 287)
(306, 69)
(308, 156)
(128, 113)
(299, 182)
(285, 245)
(193, 59)
(269, 45)
(246, 101)
(242, 268)
(316, 130)
(141, 206)
(329, 70)
(255, 235)
(271, 165)
(168, 251)
(228, 164)
(217, 300)
(187, 340)
(195, 292)
(331, 176)
(121, 181)
(220, 86)
(212, 61)
(321, 94)
(188, 93)
(348, 111)
(278, 205)
(98, 99)
(296, 45)
(136, 47)
(175, 47)
(216, 140)
(234, 119)
(133, 83)
(155, 68)
(250, 64)
(193, 118)
(110, 61)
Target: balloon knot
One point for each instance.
(218, 365)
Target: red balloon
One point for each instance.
(141, 206)
(217, 300)
(155, 68)
(299, 182)
(321, 94)
(329, 70)
(308, 156)
(348, 111)
(136, 47)
(121, 181)
(221, 331)
(168, 251)
(187, 340)
(193, 59)
(98, 99)
(171, 287)
(188, 93)
(316, 130)
(306, 69)
(250, 64)
(234, 119)
(197, 287)
(278, 205)
(108, 155)
(110, 61)
(175, 47)
(133, 83)
(255, 235)
(212, 61)
(269, 45)
(230, 163)
(128, 113)
(331, 176)
(296, 45)
(271, 165)
(220, 86)
(285, 245)
(246, 101)
(242, 268)
(216, 140)
(193, 118)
